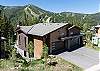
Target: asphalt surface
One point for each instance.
(83, 57)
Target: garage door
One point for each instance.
(71, 44)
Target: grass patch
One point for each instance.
(63, 65)
(6, 65)
(38, 65)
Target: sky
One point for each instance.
(78, 6)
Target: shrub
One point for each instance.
(30, 49)
(45, 52)
(23, 69)
(25, 63)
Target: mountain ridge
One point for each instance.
(31, 14)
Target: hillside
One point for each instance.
(30, 14)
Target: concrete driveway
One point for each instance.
(83, 57)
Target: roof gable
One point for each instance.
(25, 29)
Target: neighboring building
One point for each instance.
(96, 36)
(56, 36)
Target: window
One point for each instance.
(62, 34)
(71, 33)
(25, 41)
(96, 30)
(25, 53)
(19, 40)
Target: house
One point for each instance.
(96, 36)
(56, 36)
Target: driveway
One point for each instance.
(83, 57)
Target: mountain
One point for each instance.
(30, 14)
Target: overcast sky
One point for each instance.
(78, 6)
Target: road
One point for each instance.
(82, 57)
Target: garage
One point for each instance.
(72, 42)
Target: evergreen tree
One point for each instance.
(7, 31)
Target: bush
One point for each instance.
(45, 52)
(41, 61)
(19, 56)
(33, 62)
(37, 62)
(25, 63)
(23, 69)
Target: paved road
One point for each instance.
(83, 57)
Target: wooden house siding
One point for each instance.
(55, 42)
(74, 31)
(22, 41)
(61, 32)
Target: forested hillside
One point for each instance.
(10, 16)
(30, 14)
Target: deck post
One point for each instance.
(68, 43)
(50, 50)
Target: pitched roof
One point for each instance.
(73, 27)
(25, 29)
(42, 29)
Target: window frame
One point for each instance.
(25, 53)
